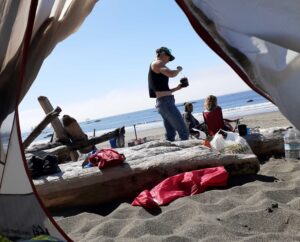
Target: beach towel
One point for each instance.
(181, 185)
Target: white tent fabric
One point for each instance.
(259, 39)
(21, 214)
(14, 177)
(29, 30)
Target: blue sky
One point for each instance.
(101, 70)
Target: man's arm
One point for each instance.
(159, 67)
(176, 88)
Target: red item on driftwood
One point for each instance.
(105, 158)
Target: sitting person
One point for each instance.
(191, 122)
(213, 117)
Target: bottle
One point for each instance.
(292, 144)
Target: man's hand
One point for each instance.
(179, 68)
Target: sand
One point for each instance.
(261, 207)
(265, 120)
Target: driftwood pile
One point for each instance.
(69, 139)
(145, 166)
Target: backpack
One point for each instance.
(104, 158)
(38, 166)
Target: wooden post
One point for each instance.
(121, 138)
(61, 134)
(135, 132)
(41, 126)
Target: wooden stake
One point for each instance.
(41, 126)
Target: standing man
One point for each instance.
(158, 81)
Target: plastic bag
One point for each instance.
(230, 143)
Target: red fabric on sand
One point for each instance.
(181, 185)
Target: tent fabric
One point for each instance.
(21, 212)
(181, 185)
(54, 21)
(263, 48)
(29, 30)
(14, 177)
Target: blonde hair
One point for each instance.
(210, 102)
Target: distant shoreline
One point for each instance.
(262, 120)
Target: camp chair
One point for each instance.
(214, 122)
(197, 134)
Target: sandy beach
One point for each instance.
(261, 207)
(263, 121)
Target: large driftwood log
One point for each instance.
(146, 165)
(41, 126)
(39, 147)
(60, 133)
(62, 153)
(75, 133)
(96, 140)
(268, 142)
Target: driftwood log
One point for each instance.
(268, 142)
(75, 133)
(62, 151)
(41, 126)
(96, 140)
(40, 147)
(60, 133)
(145, 166)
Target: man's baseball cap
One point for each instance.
(167, 51)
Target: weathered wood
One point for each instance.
(62, 151)
(38, 147)
(75, 133)
(60, 133)
(146, 165)
(41, 126)
(268, 142)
(96, 140)
(63, 155)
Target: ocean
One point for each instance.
(234, 105)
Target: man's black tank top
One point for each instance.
(157, 82)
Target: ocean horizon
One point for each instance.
(235, 105)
